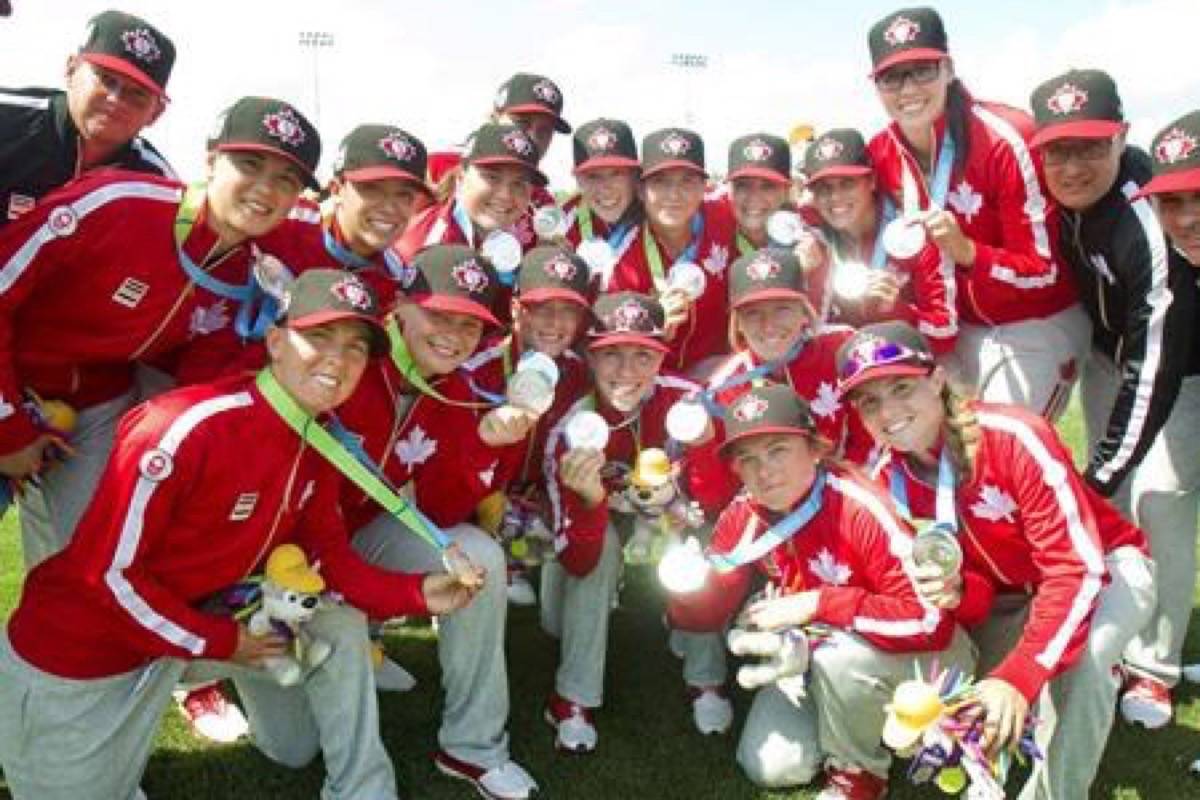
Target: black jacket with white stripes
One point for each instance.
(1140, 296)
(39, 149)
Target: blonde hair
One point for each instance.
(963, 434)
(447, 185)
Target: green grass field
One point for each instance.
(648, 748)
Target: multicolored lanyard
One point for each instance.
(938, 188)
(747, 552)
(654, 258)
(744, 246)
(946, 516)
(708, 397)
(256, 309)
(463, 221)
(584, 216)
(353, 262)
(403, 360)
(354, 463)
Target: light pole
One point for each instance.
(315, 40)
(690, 63)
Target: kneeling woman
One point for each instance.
(831, 546)
(1072, 579)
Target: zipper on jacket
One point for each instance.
(1077, 238)
(287, 495)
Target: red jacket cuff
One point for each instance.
(578, 547)
(17, 432)
(1023, 673)
(838, 605)
(222, 639)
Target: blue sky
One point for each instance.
(433, 67)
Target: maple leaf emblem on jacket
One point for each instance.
(825, 403)
(994, 504)
(826, 567)
(209, 319)
(717, 259)
(965, 200)
(416, 448)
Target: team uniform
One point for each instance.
(853, 553)
(1022, 335)
(1072, 578)
(92, 282)
(120, 614)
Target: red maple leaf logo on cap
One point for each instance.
(762, 268)
(396, 146)
(829, 148)
(675, 144)
(519, 142)
(602, 140)
(547, 91)
(470, 276)
(757, 150)
(1175, 146)
(141, 45)
(902, 31)
(1067, 99)
(629, 316)
(751, 407)
(285, 126)
(560, 267)
(351, 290)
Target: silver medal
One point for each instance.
(903, 238)
(851, 279)
(586, 429)
(683, 568)
(503, 250)
(938, 546)
(688, 278)
(531, 386)
(785, 227)
(598, 255)
(686, 421)
(548, 222)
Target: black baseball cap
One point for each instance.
(536, 94)
(131, 46)
(262, 124)
(321, 296)
(770, 273)
(380, 152)
(604, 143)
(453, 278)
(551, 272)
(910, 34)
(841, 152)
(670, 148)
(885, 349)
(771, 409)
(761, 155)
(628, 318)
(1079, 104)
(1175, 157)
(499, 144)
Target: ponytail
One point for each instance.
(957, 114)
(962, 430)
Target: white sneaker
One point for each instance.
(391, 677)
(509, 781)
(711, 711)
(575, 731)
(520, 591)
(211, 715)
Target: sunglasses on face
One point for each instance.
(922, 73)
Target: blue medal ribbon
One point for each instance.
(777, 534)
(708, 397)
(945, 515)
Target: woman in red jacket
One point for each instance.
(604, 219)
(1072, 578)
(834, 553)
(962, 175)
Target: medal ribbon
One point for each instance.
(748, 552)
(654, 258)
(945, 515)
(708, 397)
(938, 189)
(352, 462)
(353, 262)
(403, 360)
(584, 215)
(744, 246)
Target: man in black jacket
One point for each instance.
(116, 86)
(1141, 297)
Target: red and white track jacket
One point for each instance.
(705, 332)
(579, 530)
(414, 437)
(851, 553)
(1000, 202)
(813, 375)
(185, 509)
(1030, 523)
(90, 282)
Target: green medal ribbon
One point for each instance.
(313, 433)
(403, 360)
(744, 246)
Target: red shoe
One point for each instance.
(211, 715)
(575, 731)
(853, 784)
(1146, 702)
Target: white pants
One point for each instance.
(1031, 363)
(64, 739)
